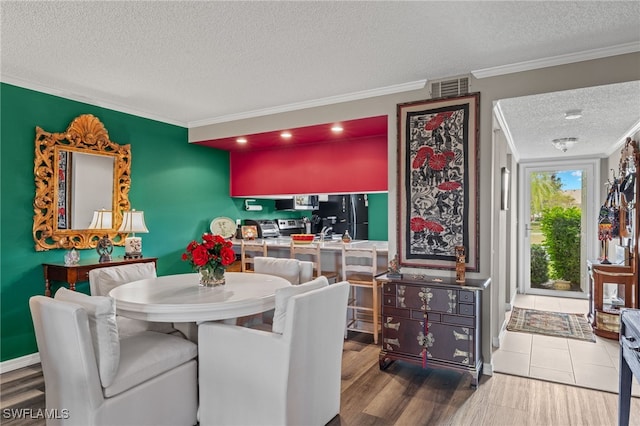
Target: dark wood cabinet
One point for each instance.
(435, 323)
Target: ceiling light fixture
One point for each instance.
(241, 140)
(573, 114)
(285, 135)
(564, 143)
(336, 128)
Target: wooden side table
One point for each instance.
(604, 313)
(72, 274)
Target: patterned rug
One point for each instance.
(558, 324)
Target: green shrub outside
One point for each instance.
(539, 264)
(561, 229)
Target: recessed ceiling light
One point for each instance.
(285, 135)
(336, 128)
(573, 114)
(241, 140)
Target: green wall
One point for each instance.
(378, 216)
(180, 187)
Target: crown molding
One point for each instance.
(505, 130)
(388, 90)
(628, 134)
(586, 55)
(16, 81)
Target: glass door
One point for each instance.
(557, 227)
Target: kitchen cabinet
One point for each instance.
(433, 322)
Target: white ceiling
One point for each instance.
(193, 63)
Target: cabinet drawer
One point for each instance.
(464, 309)
(466, 296)
(433, 316)
(389, 300)
(428, 298)
(396, 312)
(459, 320)
(389, 288)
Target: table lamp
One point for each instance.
(132, 222)
(103, 219)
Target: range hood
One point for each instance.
(298, 202)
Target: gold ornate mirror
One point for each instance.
(76, 173)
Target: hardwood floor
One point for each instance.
(405, 395)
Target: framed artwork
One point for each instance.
(438, 182)
(249, 232)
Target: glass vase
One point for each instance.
(211, 277)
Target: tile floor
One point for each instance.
(576, 362)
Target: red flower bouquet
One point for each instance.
(210, 258)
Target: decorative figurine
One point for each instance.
(104, 249)
(394, 270)
(460, 264)
(71, 257)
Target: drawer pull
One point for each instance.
(394, 342)
(389, 324)
(458, 353)
(460, 336)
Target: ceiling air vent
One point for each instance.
(450, 87)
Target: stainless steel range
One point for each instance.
(266, 228)
(290, 226)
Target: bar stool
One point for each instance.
(311, 252)
(359, 268)
(250, 250)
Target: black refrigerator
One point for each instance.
(346, 212)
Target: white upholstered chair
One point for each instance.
(103, 280)
(293, 270)
(311, 253)
(94, 378)
(254, 377)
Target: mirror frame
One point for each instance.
(85, 134)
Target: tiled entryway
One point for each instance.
(570, 361)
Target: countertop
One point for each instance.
(328, 244)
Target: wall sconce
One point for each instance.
(103, 219)
(132, 222)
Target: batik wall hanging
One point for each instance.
(438, 182)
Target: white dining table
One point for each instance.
(180, 298)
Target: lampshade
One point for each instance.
(132, 222)
(102, 219)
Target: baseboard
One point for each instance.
(487, 368)
(16, 363)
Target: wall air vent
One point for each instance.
(449, 87)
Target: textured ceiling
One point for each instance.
(198, 62)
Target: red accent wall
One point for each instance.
(358, 165)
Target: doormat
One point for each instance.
(557, 324)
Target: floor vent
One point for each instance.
(449, 87)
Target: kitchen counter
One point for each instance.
(334, 244)
(330, 250)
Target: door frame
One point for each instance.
(588, 237)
